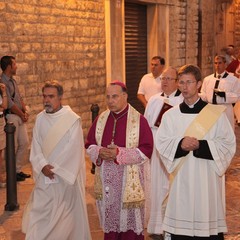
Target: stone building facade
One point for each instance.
(81, 42)
(60, 40)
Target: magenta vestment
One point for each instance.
(233, 65)
(116, 221)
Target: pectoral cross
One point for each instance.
(134, 186)
(132, 173)
(112, 145)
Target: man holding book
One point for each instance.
(157, 106)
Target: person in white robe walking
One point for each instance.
(196, 144)
(170, 96)
(221, 88)
(57, 207)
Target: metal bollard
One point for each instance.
(11, 204)
(95, 111)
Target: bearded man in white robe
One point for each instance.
(57, 208)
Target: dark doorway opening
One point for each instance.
(135, 49)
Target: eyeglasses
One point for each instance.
(167, 79)
(188, 82)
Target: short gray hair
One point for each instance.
(54, 84)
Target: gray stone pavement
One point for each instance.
(10, 222)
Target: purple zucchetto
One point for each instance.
(121, 84)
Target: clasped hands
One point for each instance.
(109, 153)
(189, 144)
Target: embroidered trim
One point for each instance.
(98, 184)
(133, 195)
(98, 135)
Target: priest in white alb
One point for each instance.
(156, 107)
(221, 88)
(57, 207)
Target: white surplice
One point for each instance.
(195, 205)
(159, 182)
(230, 85)
(57, 210)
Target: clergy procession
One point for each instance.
(160, 175)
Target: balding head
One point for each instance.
(169, 80)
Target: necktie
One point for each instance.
(214, 100)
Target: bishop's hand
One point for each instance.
(109, 153)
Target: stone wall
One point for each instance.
(237, 23)
(207, 11)
(66, 41)
(61, 40)
(183, 37)
(200, 28)
(192, 33)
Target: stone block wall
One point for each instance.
(194, 31)
(183, 35)
(237, 23)
(60, 40)
(208, 50)
(65, 41)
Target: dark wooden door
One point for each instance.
(135, 49)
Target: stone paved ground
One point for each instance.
(10, 222)
(233, 194)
